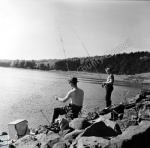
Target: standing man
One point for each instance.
(76, 96)
(108, 86)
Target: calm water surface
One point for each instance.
(23, 93)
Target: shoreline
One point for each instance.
(119, 130)
(141, 78)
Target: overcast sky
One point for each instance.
(29, 28)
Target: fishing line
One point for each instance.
(45, 117)
(63, 47)
(85, 50)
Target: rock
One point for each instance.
(63, 133)
(60, 145)
(92, 115)
(40, 140)
(134, 136)
(129, 113)
(36, 131)
(46, 146)
(41, 137)
(99, 129)
(73, 134)
(40, 129)
(144, 110)
(90, 142)
(79, 123)
(115, 126)
(125, 123)
(4, 133)
(38, 144)
(63, 123)
(26, 142)
(50, 140)
(11, 146)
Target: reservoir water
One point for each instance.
(24, 92)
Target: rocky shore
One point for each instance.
(128, 127)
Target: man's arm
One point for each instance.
(65, 98)
(111, 81)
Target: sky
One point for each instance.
(33, 29)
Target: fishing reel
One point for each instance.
(103, 84)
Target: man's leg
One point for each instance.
(108, 97)
(57, 112)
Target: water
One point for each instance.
(23, 93)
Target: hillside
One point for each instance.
(125, 63)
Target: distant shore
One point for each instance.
(139, 79)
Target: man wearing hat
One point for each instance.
(76, 96)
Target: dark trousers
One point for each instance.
(71, 111)
(109, 90)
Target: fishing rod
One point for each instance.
(124, 96)
(85, 49)
(63, 47)
(45, 116)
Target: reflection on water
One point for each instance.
(25, 92)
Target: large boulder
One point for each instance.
(114, 125)
(134, 136)
(99, 129)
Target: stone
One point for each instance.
(144, 110)
(114, 125)
(79, 123)
(99, 129)
(92, 115)
(26, 142)
(134, 136)
(90, 142)
(11, 146)
(60, 145)
(4, 133)
(40, 140)
(41, 137)
(63, 123)
(51, 139)
(73, 134)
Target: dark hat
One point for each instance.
(73, 80)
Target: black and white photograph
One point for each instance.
(74, 73)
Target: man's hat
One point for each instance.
(108, 69)
(73, 80)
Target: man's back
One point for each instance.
(77, 96)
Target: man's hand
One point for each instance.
(103, 84)
(56, 98)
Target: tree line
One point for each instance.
(125, 63)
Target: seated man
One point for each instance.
(72, 110)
